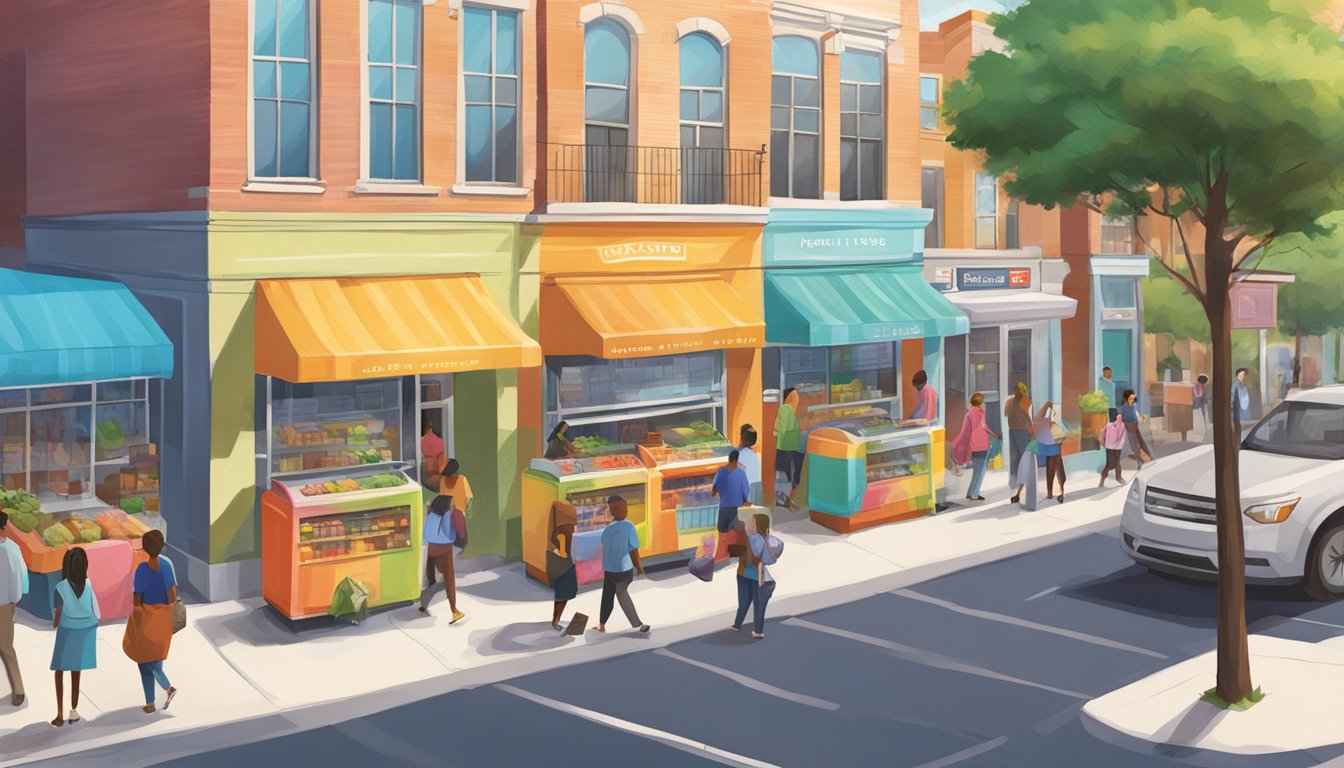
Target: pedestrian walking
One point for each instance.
(1113, 441)
(749, 461)
(1048, 448)
(1202, 402)
(13, 586)
(560, 563)
(926, 398)
(755, 585)
(1017, 413)
(1241, 401)
(453, 484)
(973, 442)
(149, 630)
(76, 624)
(733, 491)
(620, 562)
(1027, 481)
(445, 528)
(788, 443)
(1129, 412)
(1106, 385)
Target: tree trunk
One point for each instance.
(1234, 668)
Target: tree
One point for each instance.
(1167, 308)
(1314, 304)
(1230, 112)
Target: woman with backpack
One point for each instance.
(149, 630)
(756, 586)
(76, 625)
(445, 527)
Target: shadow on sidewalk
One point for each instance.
(521, 637)
(40, 735)
(1184, 601)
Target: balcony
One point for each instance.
(591, 173)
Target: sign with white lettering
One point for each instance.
(642, 251)
(680, 344)
(998, 279)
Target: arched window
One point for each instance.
(606, 106)
(702, 119)
(862, 125)
(795, 118)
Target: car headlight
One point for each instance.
(1272, 512)
(1135, 495)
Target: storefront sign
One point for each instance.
(993, 279)
(680, 345)
(392, 368)
(829, 237)
(642, 251)
(893, 331)
(1254, 305)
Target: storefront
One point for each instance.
(1117, 320)
(849, 320)
(1015, 311)
(651, 337)
(80, 367)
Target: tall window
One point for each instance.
(283, 120)
(986, 211)
(490, 93)
(702, 108)
(928, 102)
(861, 126)
(1011, 237)
(795, 118)
(931, 197)
(1117, 234)
(394, 89)
(606, 109)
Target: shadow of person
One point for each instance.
(520, 637)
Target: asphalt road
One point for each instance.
(988, 667)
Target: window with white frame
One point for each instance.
(284, 121)
(490, 92)
(986, 211)
(795, 118)
(862, 119)
(702, 119)
(928, 102)
(1011, 234)
(394, 90)
(1117, 234)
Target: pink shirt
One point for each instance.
(974, 426)
(1113, 436)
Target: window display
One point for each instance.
(587, 384)
(848, 373)
(890, 463)
(335, 536)
(334, 424)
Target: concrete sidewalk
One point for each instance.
(237, 662)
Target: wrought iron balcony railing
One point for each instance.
(593, 173)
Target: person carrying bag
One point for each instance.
(149, 630)
(445, 527)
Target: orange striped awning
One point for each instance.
(339, 329)
(621, 317)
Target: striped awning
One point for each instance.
(824, 307)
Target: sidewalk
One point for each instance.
(236, 661)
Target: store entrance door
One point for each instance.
(1117, 351)
(436, 427)
(1019, 360)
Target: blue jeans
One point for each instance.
(979, 461)
(148, 674)
(753, 595)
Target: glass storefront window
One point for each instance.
(864, 372)
(59, 444)
(334, 424)
(806, 369)
(582, 383)
(634, 427)
(1119, 292)
(955, 355)
(984, 360)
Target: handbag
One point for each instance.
(179, 616)
(557, 566)
(1057, 430)
(149, 632)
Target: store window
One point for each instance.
(1011, 238)
(1117, 234)
(1119, 292)
(986, 211)
(394, 89)
(795, 118)
(931, 197)
(862, 125)
(843, 374)
(284, 120)
(984, 360)
(955, 356)
(607, 64)
(334, 424)
(490, 90)
(702, 119)
(928, 102)
(436, 426)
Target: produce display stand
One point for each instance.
(682, 463)
(320, 528)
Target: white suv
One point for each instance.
(1292, 495)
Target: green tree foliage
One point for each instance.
(1231, 111)
(1314, 304)
(1169, 308)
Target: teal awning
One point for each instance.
(57, 330)
(822, 307)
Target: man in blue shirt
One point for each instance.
(733, 489)
(1107, 386)
(749, 461)
(620, 560)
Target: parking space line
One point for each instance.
(966, 754)
(1013, 621)
(1317, 623)
(929, 659)
(721, 756)
(1042, 593)
(753, 684)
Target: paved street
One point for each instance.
(986, 667)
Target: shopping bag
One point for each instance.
(577, 625)
(179, 616)
(556, 566)
(995, 448)
(149, 633)
(350, 598)
(702, 568)
(1059, 432)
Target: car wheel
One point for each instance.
(1324, 579)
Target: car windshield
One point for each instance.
(1306, 430)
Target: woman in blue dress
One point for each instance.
(76, 625)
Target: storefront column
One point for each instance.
(1056, 361)
(487, 440)
(744, 393)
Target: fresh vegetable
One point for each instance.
(1094, 402)
(57, 536)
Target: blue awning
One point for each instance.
(824, 307)
(58, 330)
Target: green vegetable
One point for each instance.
(1094, 402)
(57, 536)
(90, 535)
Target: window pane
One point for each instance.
(477, 88)
(294, 133)
(928, 118)
(928, 90)
(849, 97)
(408, 146)
(380, 141)
(806, 166)
(263, 35)
(408, 30)
(808, 120)
(506, 90)
(607, 105)
(112, 391)
(263, 79)
(294, 29)
(870, 170)
(870, 126)
(985, 234)
(931, 197)
(506, 144)
(849, 169)
(264, 126)
(506, 38)
(986, 194)
(405, 85)
(60, 449)
(711, 107)
(687, 136)
(870, 98)
(779, 163)
(1118, 293)
(779, 118)
(701, 61)
(606, 53)
(795, 55)
(779, 90)
(380, 30)
(711, 138)
(861, 67)
(294, 81)
(690, 105)
(476, 40)
(380, 83)
(126, 419)
(806, 92)
(849, 125)
(479, 141)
